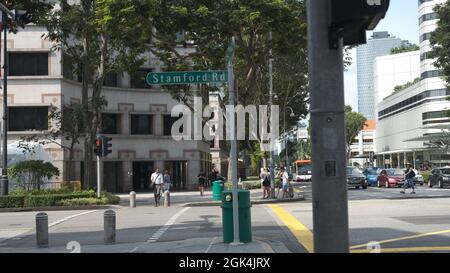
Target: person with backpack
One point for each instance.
(265, 181)
(409, 179)
(201, 182)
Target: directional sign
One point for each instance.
(187, 77)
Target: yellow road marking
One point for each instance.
(405, 238)
(405, 249)
(303, 235)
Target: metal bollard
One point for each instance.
(132, 199)
(109, 221)
(42, 229)
(166, 199)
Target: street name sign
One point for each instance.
(187, 77)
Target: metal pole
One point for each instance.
(330, 208)
(233, 156)
(99, 177)
(4, 178)
(132, 199)
(42, 229)
(109, 227)
(285, 142)
(271, 167)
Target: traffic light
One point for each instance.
(98, 147)
(22, 17)
(106, 145)
(351, 18)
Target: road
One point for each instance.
(397, 222)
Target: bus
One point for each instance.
(303, 170)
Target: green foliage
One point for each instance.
(399, 88)
(426, 176)
(33, 173)
(440, 40)
(12, 201)
(404, 48)
(48, 200)
(354, 123)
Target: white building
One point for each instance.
(410, 121)
(362, 150)
(139, 117)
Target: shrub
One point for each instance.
(12, 201)
(82, 202)
(53, 199)
(426, 176)
(110, 198)
(251, 185)
(32, 174)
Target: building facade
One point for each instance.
(412, 125)
(363, 149)
(137, 117)
(379, 44)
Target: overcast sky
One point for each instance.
(401, 21)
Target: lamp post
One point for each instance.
(286, 135)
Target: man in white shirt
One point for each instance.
(157, 183)
(285, 184)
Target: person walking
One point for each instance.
(265, 181)
(409, 179)
(166, 180)
(157, 182)
(201, 182)
(285, 182)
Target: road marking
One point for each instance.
(406, 238)
(405, 249)
(210, 244)
(303, 235)
(69, 217)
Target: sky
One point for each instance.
(401, 21)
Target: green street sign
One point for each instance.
(187, 77)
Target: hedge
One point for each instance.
(12, 201)
(48, 200)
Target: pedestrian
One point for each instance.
(409, 179)
(201, 182)
(157, 182)
(265, 181)
(285, 182)
(166, 180)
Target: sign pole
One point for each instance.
(233, 155)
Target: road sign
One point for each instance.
(187, 77)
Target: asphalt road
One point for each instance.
(396, 222)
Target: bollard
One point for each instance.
(109, 221)
(132, 199)
(42, 229)
(166, 199)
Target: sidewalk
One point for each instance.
(195, 245)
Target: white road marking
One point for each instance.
(210, 245)
(69, 217)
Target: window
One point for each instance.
(168, 122)
(138, 79)
(141, 124)
(427, 17)
(110, 79)
(28, 118)
(28, 64)
(110, 123)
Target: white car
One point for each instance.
(418, 179)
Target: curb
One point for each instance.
(253, 202)
(416, 197)
(58, 208)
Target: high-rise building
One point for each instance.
(412, 125)
(379, 44)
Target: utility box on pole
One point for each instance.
(331, 25)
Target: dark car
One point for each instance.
(356, 178)
(391, 178)
(439, 177)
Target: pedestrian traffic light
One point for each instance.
(106, 145)
(98, 147)
(22, 17)
(351, 18)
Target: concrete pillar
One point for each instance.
(360, 144)
(166, 199)
(42, 229)
(398, 160)
(127, 176)
(194, 168)
(414, 160)
(125, 127)
(158, 124)
(109, 226)
(132, 199)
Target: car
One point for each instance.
(372, 175)
(389, 178)
(356, 178)
(304, 173)
(439, 177)
(418, 179)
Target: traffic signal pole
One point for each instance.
(99, 176)
(4, 176)
(326, 83)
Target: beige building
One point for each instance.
(138, 117)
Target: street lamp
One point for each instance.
(292, 115)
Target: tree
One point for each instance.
(98, 37)
(68, 125)
(32, 174)
(354, 123)
(440, 40)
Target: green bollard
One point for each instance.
(217, 190)
(245, 225)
